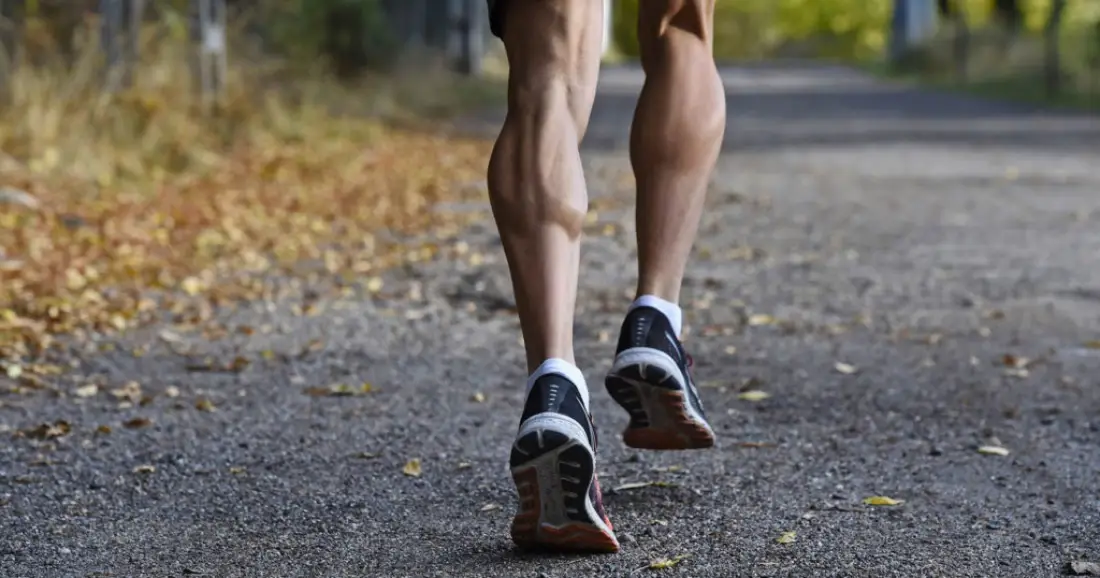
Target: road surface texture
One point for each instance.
(914, 238)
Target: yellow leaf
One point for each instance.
(882, 501)
(761, 319)
(191, 285)
(86, 390)
(753, 395)
(479, 397)
(145, 469)
(412, 468)
(993, 450)
(236, 471)
(204, 405)
(845, 368)
(374, 284)
(665, 563)
(787, 537)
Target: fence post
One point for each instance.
(473, 37)
(120, 28)
(1052, 65)
(208, 29)
(11, 17)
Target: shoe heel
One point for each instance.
(553, 472)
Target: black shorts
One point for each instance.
(496, 17)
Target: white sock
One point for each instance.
(671, 310)
(563, 368)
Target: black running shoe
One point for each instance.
(553, 464)
(651, 379)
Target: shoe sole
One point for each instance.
(554, 468)
(647, 383)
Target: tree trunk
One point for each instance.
(961, 40)
(1009, 14)
(1052, 67)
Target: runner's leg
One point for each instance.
(675, 141)
(537, 190)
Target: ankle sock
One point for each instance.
(671, 310)
(563, 368)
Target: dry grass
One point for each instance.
(138, 203)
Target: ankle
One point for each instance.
(563, 367)
(670, 310)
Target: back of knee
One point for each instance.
(676, 24)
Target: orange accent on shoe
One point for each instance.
(685, 434)
(528, 532)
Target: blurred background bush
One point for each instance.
(1032, 49)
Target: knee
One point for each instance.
(678, 24)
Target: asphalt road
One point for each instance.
(918, 238)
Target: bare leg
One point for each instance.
(674, 143)
(676, 137)
(536, 182)
(537, 189)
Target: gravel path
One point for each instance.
(914, 238)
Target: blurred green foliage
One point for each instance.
(838, 29)
(350, 35)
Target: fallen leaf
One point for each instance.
(478, 397)
(172, 391)
(412, 468)
(145, 469)
(203, 404)
(137, 423)
(755, 445)
(236, 470)
(86, 390)
(490, 507)
(631, 486)
(1094, 344)
(665, 563)
(845, 368)
(48, 431)
(753, 395)
(464, 465)
(103, 429)
(787, 537)
(992, 450)
(882, 501)
(14, 371)
(759, 319)
(1084, 568)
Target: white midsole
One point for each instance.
(551, 494)
(646, 356)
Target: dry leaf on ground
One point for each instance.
(665, 563)
(992, 450)
(787, 537)
(882, 501)
(845, 368)
(753, 395)
(412, 468)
